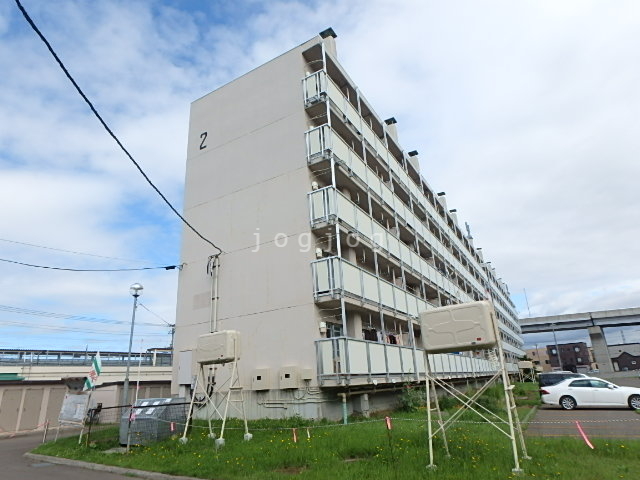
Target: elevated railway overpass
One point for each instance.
(593, 322)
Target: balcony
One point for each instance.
(327, 205)
(319, 87)
(334, 277)
(349, 361)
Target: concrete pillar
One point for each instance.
(600, 350)
(364, 405)
(354, 326)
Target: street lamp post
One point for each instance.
(135, 290)
(557, 348)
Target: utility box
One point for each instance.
(306, 374)
(218, 347)
(289, 377)
(456, 328)
(261, 379)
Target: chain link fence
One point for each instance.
(150, 420)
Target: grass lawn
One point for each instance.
(361, 451)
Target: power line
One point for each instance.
(77, 318)
(155, 314)
(106, 127)
(168, 267)
(67, 251)
(172, 325)
(77, 330)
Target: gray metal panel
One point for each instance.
(31, 408)
(9, 409)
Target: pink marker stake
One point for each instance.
(584, 435)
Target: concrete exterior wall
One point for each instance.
(250, 178)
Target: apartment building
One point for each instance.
(332, 244)
(572, 356)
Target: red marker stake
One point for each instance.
(387, 420)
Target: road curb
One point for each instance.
(106, 468)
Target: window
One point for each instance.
(599, 383)
(579, 360)
(580, 383)
(576, 349)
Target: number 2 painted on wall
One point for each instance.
(203, 136)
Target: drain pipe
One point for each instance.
(345, 418)
(213, 268)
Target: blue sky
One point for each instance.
(525, 113)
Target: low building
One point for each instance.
(33, 383)
(625, 356)
(540, 359)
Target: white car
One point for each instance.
(590, 392)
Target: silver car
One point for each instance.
(590, 392)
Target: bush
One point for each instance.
(413, 398)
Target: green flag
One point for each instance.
(94, 373)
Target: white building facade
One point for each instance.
(332, 244)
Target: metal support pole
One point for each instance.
(555, 340)
(125, 394)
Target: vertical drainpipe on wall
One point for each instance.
(213, 268)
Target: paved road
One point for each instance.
(551, 421)
(17, 467)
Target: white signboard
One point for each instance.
(74, 408)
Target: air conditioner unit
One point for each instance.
(218, 347)
(460, 327)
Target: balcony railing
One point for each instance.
(336, 276)
(343, 360)
(327, 204)
(323, 141)
(319, 86)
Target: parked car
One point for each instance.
(551, 378)
(590, 392)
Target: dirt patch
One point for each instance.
(291, 470)
(352, 459)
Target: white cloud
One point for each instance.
(524, 112)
